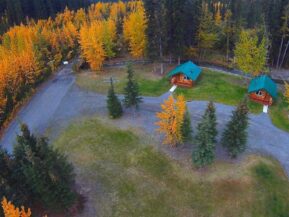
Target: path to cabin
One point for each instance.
(60, 101)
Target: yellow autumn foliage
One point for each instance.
(11, 211)
(171, 119)
(134, 29)
(91, 42)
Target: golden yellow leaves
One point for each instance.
(11, 211)
(171, 120)
(251, 53)
(134, 30)
(91, 43)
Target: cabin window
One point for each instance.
(186, 78)
(259, 93)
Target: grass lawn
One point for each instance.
(150, 84)
(121, 174)
(279, 113)
(219, 87)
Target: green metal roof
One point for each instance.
(191, 70)
(263, 82)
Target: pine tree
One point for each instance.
(207, 31)
(234, 138)
(113, 103)
(186, 128)
(45, 173)
(152, 31)
(131, 91)
(211, 112)
(5, 175)
(206, 138)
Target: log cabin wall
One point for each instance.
(261, 97)
(180, 80)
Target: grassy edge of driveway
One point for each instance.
(122, 174)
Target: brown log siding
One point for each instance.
(180, 80)
(264, 99)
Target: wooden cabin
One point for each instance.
(185, 75)
(263, 90)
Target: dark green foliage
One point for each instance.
(186, 129)
(131, 91)
(211, 112)
(173, 24)
(206, 138)
(43, 173)
(152, 32)
(5, 175)
(16, 11)
(234, 138)
(113, 103)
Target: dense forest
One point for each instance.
(31, 52)
(17, 11)
(250, 35)
(174, 26)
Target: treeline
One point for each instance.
(29, 53)
(16, 11)
(189, 28)
(113, 28)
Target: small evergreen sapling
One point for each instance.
(186, 128)
(211, 112)
(131, 91)
(234, 138)
(113, 103)
(206, 138)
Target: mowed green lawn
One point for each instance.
(121, 174)
(150, 83)
(212, 85)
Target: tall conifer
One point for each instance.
(234, 138)
(113, 103)
(44, 173)
(131, 91)
(186, 128)
(206, 138)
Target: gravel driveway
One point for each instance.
(60, 101)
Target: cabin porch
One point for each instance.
(261, 97)
(181, 80)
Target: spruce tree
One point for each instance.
(186, 128)
(113, 103)
(152, 30)
(131, 91)
(234, 138)
(211, 112)
(44, 173)
(206, 138)
(5, 176)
